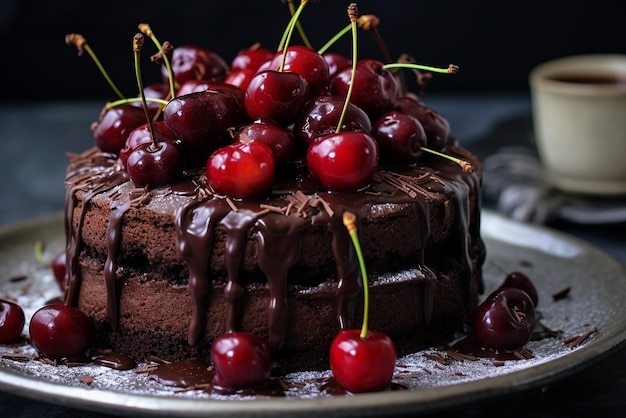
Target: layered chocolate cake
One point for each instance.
(223, 211)
(165, 272)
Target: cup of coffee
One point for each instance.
(579, 119)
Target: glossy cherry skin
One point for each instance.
(115, 125)
(362, 364)
(279, 139)
(241, 170)
(240, 78)
(58, 266)
(152, 166)
(276, 96)
(320, 116)
(496, 326)
(241, 360)
(437, 127)
(251, 58)
(195, 62)
(400, 138)
(201, 120)
(61, 331)
(154, 91)
(12, 321)
(519, 280)
(336, 63)
(345, 161)
(375, 89)
(306, 62)
(141, 135)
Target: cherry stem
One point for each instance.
(335, 38)
(289, 32)
(451, 69)
(81, 44)
(39, 249)
(305, 39)
(147, 30)
(138, 41)
(349, 221)
(135, 100)
(465, 165)
(353, 14)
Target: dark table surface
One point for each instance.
(35, 137)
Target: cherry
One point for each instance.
(141, 135)
(12, 321)
(321, 115)
(277, 96)
(251, 58)
(154, 164)
(155, 91)
(113, 128)
(279, 139)
(362, 364)
(194, 86)
(505, 320)
(243, 169)
(374, 90)
(437, 127)
(61, 331)
(240, 78)
(306, 62)
(400, 137)
(58, 268)
(344, 161)
(519, 280)
(336, 63)
(201, 120)
(195, 62)
(241, 360)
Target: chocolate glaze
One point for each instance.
(278, 234)
(114, 360)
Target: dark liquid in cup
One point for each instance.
(589, 78)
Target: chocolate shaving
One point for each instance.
(460, 356)
(497, 363)
(437, 357)
(561, 294)
(577, 340)
(21, 357)
(232, 205)
(18, 278)
(88, 380)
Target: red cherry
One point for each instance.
(343, 162)
(240, 78)
(308, 63)
(115, 125)
(251, 58)
(279, 139)
(321, 115)
(336, 63)
(152, 166)
(141, 135)
(195, 62)
(400, 138)
(362, 364)
(241, 169)
(276, 96)
(374, 90)
(437, 127)
(12, 321)
(505, 320)
(519, 280)
(241, 360)
(61, 331)
(154, 91)
(58, 268)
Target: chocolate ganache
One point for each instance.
(163, 272)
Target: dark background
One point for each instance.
(495, 43)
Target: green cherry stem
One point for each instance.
(147, 30)
(451, 69)
(353, 14)
(349, 221)
(81, 44)
(135, 100)
(465, 165)
(289, 32)
(334, 39)
(138, 41)
(305, 39)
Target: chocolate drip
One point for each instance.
(195, 225)
(114, 240)
(278, 249)
(117, 361)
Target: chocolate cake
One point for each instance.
(163, 272)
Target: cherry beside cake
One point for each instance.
(219, 210)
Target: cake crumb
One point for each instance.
(86, 379)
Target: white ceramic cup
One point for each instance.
(579, 117)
